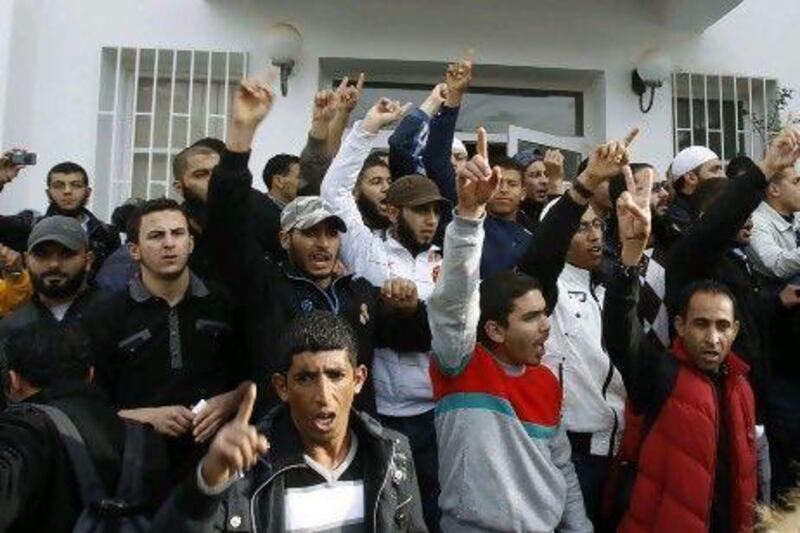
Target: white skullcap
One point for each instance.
(689, 159)
(458, 146)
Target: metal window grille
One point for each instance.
(154, 103)
(728, 114)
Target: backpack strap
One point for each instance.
(131, 480)
(91, 487)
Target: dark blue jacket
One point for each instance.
(503, 246)
(407, 143)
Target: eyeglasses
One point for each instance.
(597, 224)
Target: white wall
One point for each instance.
(51, 88)
(6, 17)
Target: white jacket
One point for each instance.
(402, 382)
(773, 244)
(594, 395)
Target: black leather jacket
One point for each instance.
(255, 503)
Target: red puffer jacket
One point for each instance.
(674, 486)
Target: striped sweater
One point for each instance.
(504, 459)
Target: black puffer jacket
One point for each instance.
(256, 502)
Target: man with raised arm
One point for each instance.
(313, 463)
(414, 204)
(272, 294)
(564, 255)
(696, 460)
(504, 456)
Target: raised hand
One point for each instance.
(435, 100)
(237, 446)
(347, 96)
(554, 164)
(401, 294)
(633, 214)
(324, 107)
(782, 152)
(383, 113)
(607, 160)
(477, 181)
(251, 102)
(10, 261)
(8, 170)
(459, 75)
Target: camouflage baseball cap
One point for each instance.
(307, 211)
(66, 231)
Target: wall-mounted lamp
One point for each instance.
(652, 71)
(284, 42)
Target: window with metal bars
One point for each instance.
(729, 114)
(154, 103)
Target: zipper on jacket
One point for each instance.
(383, 486)
(716, 451)
(334, 304)
(262, 486)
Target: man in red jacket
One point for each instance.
(697, 460)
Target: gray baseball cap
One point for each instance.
(307, 211)
(66, 231)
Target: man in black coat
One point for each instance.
(270, 294)
(38, 488)
(68, 191)
(59, 262)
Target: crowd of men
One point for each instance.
(411, 340)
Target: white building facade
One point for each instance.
(120, 86)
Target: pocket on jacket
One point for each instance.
(130, 345)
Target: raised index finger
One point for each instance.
(246, 405)
(631, 136)
(360, 82)
(482, 146)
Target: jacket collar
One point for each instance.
(139, 293)
(291, 271)
(775, 218)
(733, 363)
(578, 276)
(287, 448)
(396, 248)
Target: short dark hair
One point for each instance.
(708, 286)
(211, 142)
(151, 206)
(707, 192)
(371, 162)
(68, 167)
(181, 161)
(498, 293)
(280, 164)
(44, 354)
(317, 331)
(508, 163)
(378, 154)
(122, 214)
